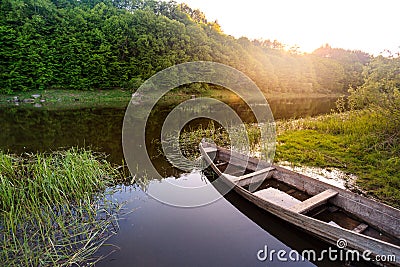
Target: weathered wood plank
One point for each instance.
(252, 178)
(379, 215)
(314, 214)
(240, 159)
(291, 191)
(329, 232)
(257, 179)
(314, 201)
(235, 174)
(333, 209)
(334, 224)
(210, 149)
(360, 228)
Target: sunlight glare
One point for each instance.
(365, 25)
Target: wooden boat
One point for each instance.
(323, 210)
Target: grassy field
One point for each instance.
(75, 99)
(53, 208)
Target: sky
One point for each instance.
(369, 25)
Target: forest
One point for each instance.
(93, 44)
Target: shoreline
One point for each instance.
(334, 140)
(117, 98)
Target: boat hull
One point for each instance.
(323, 230)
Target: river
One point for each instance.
(227, 232)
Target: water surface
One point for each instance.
(228, 232)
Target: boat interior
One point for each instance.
(288, 193)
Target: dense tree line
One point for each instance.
(93, 44)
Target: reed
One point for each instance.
(189, 140)
(54, 209)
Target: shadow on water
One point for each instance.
(218, 234)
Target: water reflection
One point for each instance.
(218, 234)
(301, 107)
(227, 232)
(30, 130)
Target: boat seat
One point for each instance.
(252, 174)
(359, 229)
(221, 164)
(277, 197)
(314, 201)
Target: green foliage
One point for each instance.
(93, 44)
(381, 85)
(351, 62)
(381, 92)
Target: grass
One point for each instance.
(70, 99)
(75, 99)
(53, 208)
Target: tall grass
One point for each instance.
(53, 209)
(189, 140)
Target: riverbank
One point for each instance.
(54, 208)
(76, 99)
(358, 142)
(67, 99)
(355, 142)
